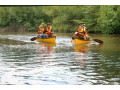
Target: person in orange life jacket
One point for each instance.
(81, 33)
(42, 24)
(78, 34)
(86, 34)
(49, 31)
(40, 32)
(41, 28)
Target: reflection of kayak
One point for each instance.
(47, 44)
(79, 41)
(81, 48)
(48, 40)
(46, 50)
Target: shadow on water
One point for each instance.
(5, 41)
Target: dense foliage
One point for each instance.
(98, 19)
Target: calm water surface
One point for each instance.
(23, 62)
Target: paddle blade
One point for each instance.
(99, 41)
(34, 38)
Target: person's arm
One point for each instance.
(44, 31)
(38, 31)
(86, 33)
(52, 31)
(39, 35)
(76, 33)
(39, 28)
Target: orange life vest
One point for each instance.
(81, 30)
(49, 29)
(41, 30)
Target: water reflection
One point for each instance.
(46, 50)
(81, 48)
(81, 55)
(60, 63)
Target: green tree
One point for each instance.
(109, 19)
(98, 19)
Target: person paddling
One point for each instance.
(40, 31)
(82, 33)
(49, 31)
(86, 34)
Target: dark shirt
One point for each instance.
(46, 31)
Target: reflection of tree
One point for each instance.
(108, 64)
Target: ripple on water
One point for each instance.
(36, 63)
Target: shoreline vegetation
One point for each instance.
(98, 18)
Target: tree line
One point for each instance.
(98, 18)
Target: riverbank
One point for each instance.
(14, 27)
(19, 28)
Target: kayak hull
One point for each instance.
(78, 41)
(47, 40)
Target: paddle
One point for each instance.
(34, 38)
(98, 41)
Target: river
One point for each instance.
(25, 62)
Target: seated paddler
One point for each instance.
(40, 31)
(82, 33)
(49, 31)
